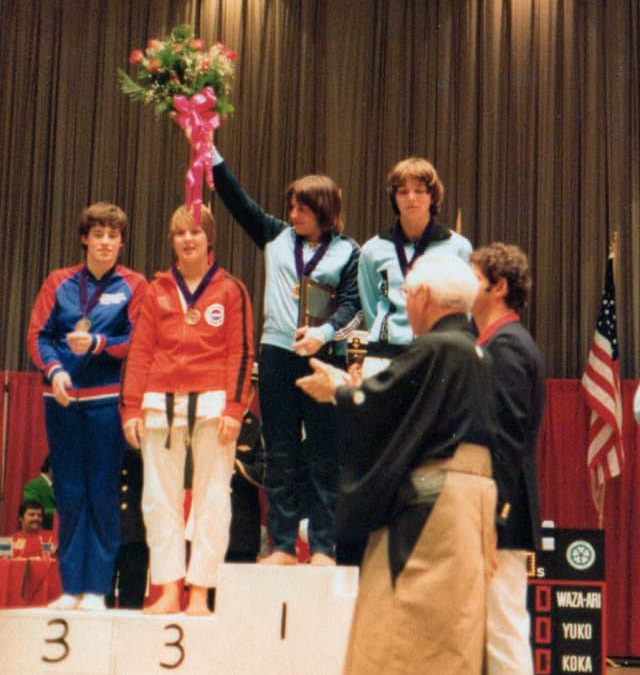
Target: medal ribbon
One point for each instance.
(420, 246)
(312, 263)
(87, 304)
(189, 297)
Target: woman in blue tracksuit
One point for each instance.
(416, 194)
(78, 336)
(310, 246)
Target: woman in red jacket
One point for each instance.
(185, 388)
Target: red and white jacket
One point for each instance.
(167, 354)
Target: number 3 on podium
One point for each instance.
(177, 644)
(58, 640)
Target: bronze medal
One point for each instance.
(83, 324)
(295, 291)
(192, 316)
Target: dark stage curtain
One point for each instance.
(564, 484)
(529, 110)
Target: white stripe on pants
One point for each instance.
(508, 647)
(163, 502)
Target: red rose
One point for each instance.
(197, 44)
(231, 55)
(154, 65)
(136, 56)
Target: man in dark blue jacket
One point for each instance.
(503, 273)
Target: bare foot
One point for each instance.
(279, 558)
(322, 560)
(168, 602)
(198, 602)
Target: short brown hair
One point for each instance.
(104, 214)
(418, 169)
(506, 261)
(184, 215)
(321, 194)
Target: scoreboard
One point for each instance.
(566, 600)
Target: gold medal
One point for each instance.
(192, 316)
(83, 324)
(295, 291)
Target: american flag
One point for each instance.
(601, 390)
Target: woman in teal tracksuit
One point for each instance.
(311, 245)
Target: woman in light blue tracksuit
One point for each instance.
(311, 245)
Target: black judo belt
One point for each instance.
(192, 403)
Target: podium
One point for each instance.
(567, 602)
(268, 619)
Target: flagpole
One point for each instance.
(601, 506)
(613, 254)
(458, 226)
(600, 386)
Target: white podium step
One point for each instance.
(268, 619)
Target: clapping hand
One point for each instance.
(323, 382)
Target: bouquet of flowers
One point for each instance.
(179, 75)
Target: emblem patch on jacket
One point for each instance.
(214, 314)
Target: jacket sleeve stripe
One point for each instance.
(244, 371)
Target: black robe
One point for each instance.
(435, 395)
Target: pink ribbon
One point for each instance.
(198, 118)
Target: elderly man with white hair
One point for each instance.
(420, 436)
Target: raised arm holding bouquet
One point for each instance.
(180, 76)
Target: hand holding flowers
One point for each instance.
(180, 76)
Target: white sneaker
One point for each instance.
(64, 602)
(91, 602)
